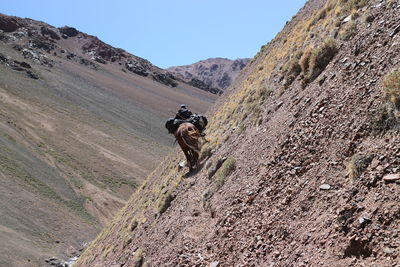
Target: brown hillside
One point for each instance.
(312, 170)
(81, 126)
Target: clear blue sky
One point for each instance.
(168, 32)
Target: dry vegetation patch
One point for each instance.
(391, 85)
(138, 258)
(387, 117)
(319, 59)
(292, 69)
(357, 165)
(227, 167)
(165, 202)
(305, 60)
(351, 5)
(224, 171)
(349, 32)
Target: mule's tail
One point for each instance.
(191, 139)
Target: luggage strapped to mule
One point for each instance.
(199, 121)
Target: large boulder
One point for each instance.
(164, 78)
(41, 43)
(103, 51)
(136, 67)
(49, 32)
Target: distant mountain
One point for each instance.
(213, 74)
(81, 126)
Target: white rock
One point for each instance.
(391, 177)
(325, 187)
(347, 19)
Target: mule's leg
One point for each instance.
(188, 157)
(196, 159)
(185, 150)
(191, 160)
(196, 153)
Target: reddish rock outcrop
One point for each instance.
(9, 24)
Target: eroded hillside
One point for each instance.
(81, 126)
(310, 152)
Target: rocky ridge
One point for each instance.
(33, 38)
(213, 74)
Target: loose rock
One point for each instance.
(387, 250)
(363, 220)
(325, 187)
(391, 177)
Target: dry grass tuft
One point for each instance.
(320, 16)
(165, 202)
(206, 151)
(305, 60)
(351, 5)
(391, 84)
(138, 258)
(133, 225)
(349, 32)
(319, 59)
(292, 69)
(224, 171)
(357, 165)
(387, 117)
(227, 167)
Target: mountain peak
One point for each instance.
(214, 74)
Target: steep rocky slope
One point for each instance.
(214, 74)
(81, 126)
(311, 175)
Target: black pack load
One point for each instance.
(172, 125)
(199, 121)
